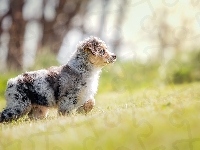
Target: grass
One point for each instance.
(133, 111)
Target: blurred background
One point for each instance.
(148, 99)
(157, 42)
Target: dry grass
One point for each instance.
(151, 118)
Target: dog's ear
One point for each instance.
(92, 47)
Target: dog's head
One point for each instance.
(98, 53)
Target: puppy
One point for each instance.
(68, 87)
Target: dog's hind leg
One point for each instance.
(16, 109)
(38, 112)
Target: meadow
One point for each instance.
(135, 110)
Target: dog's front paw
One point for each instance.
(86, 107)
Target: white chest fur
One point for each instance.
(89, 90)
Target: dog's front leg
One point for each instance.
(66, 105)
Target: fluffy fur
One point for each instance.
(67, 87)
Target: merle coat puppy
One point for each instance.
(68, 87)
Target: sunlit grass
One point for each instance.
(128, 77)
(133, 111)
(163, 118)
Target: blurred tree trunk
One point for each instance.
(82, 14)
(63, 22)
(48, 25)
(16, 32)
(163, 34)
(104, 6)
(119, 21)
(55, 30)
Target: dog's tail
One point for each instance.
(14, 112)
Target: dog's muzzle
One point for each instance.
(112, 59)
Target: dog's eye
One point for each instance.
(102, 51)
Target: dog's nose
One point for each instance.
(114, 56)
